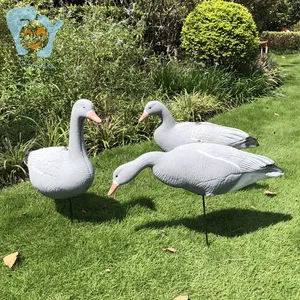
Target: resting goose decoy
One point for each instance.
(171, 134)
(65, 172)
(201, 168)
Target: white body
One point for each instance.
(55, 176)
(61, 172)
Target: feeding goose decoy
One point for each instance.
(171, 134)
(65, 172)
(202, 168)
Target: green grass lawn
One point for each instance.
(113, 250)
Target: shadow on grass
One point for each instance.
(145, 202)
(226, 222)
(290, 78)
(98, 209)
(255, 186)
(290, 65)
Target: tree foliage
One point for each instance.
(273, 14)
(294, 14)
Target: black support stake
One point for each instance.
(204, 213)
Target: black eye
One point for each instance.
(149, 107)
(83, 106)
(117, 175)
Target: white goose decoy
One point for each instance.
(61, 172)
(171, 134)
(201, 168)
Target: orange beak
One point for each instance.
(93, 116)
(143, 117)
(112, 189)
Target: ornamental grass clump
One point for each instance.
(221, 33)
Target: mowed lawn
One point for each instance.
(114, 248)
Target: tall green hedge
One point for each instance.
(220, 32)
(280, 41)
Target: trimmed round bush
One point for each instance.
(219, 32)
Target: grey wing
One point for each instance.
(197, 171)
(213, 133)
(247, 162)
(47, 161)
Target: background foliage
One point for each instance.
(273, 15)
(296, 27)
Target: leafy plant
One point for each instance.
(175, 77)
(12, 168)
(194, 106)
(164, 20)
(53, 132)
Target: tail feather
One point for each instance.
(273, 171)
(251, 142)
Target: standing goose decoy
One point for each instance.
(61, 172)
(201, 168)
(171, 134)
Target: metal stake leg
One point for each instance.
(204, 213)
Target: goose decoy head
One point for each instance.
(151, 108)
(84, 108)
(122, 175)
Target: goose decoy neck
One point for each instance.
(76, 139)
(127, 172)
(166, 117)
(134, 167)
(148, 159)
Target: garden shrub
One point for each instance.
(90, 59)
(175, 77)
(163, 20)
(218, 32)
(227, 86)
(280, 41)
